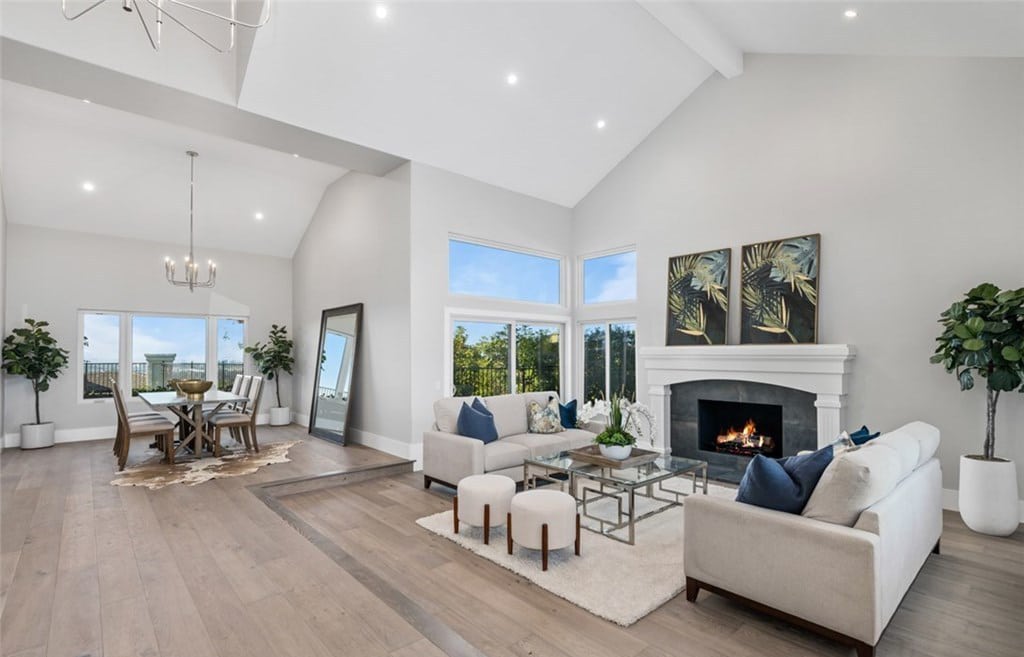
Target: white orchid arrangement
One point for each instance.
(638, 419)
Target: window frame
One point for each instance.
(581, 263)
(606, 323)
(563, 278)
(565, 346)
(125, 345)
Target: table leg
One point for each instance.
(198, 420)
(632, 516)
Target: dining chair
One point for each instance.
(140, 427)
(244, 422)
(140, 415)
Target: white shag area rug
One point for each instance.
(154, 474)
(618, 582)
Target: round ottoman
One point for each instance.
(544, 520)
(483, 501)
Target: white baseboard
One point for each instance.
(68, 435)
(411, 451)
(951, 502)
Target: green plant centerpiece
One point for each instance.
(615, 442)
(32, 352)
(983, 336)
(272, 358)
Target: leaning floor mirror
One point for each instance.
(338, 354)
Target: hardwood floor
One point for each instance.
(212, 570)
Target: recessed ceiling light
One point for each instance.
(258, 216)
(87, 101)
(381, 11)
(850, 13)
(600, 124)
(295, 154)
(88, 186)
(512, 79)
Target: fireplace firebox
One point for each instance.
(739, 428)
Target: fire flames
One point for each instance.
(744, 439)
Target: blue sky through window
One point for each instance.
(101, 338)
(185, 337)
(490, 272)
(334, 352)
(610, 278)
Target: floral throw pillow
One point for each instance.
(545, 418)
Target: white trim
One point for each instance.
(411, 451)
(82, 434)
(951, 502)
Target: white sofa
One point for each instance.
(448, 457)
(844, 582)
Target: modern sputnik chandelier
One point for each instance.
(191, 280)
(181, 12)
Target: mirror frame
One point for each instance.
(324, 316)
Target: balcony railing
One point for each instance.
(100, 378)
(487, 381)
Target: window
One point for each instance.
(144, 352)
(610, 278)
(609, 360)
(487, 271)
(101, 354)
(482, 352)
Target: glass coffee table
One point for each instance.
(621, 486)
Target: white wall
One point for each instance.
(445, 203)
(356, 250)
(911, 169)
(51, 274)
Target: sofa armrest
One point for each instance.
(594, 426)
(449, 457)
(823, 573)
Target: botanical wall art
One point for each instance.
(698, 298)
(779, 291)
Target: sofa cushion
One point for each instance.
(503, 454)
(854, 481)
(446, 413)
(905, 446)
(474, 423)
(927, 438)
(540, 444)
(784, 484)
(509, 413)
(544, 418)
(575, 438)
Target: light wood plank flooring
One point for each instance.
(91, 569)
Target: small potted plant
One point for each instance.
(984, 336)
(33, 353)
(272, 359)
(615, 442)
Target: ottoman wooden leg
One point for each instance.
(508, 532)
(544, 546)
(455, 514)
(577, 534)
(487, 524)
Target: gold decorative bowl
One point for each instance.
(193, 389)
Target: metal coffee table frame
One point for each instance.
(623, 491)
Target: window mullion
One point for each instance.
(512, 362)
(607, 360)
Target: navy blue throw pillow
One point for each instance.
(862, 435)
(568, 413)
(785, 484)
(478, 405)
(475, 424)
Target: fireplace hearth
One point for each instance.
(740, 428)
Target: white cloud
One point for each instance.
(621, 286)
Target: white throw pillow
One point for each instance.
(854, 480)
(905, 445)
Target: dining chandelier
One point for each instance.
(182, 11)
(191, 280)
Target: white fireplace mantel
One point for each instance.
(820, 369)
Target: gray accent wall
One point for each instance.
(912, 170)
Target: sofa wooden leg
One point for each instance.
(577, 535)
(426, 481)
(935, 550)
(487, 524)
(864, 649)
(692, 589)
(544, 546)
(508, 530)
(455, 514)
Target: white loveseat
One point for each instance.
(448, 457)
(841, 581)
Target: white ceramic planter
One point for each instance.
(280, 416)
(617, 452)
(34, 436)
(988, 495)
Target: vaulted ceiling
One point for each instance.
(430, 81)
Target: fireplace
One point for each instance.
(739, 428)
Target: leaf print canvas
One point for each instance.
(779, 291)
(698, 298)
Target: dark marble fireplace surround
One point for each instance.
(799, 420)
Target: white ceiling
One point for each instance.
(52, 144)
(428, 82)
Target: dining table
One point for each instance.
(192, 414)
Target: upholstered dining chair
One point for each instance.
(244, 421)
(140, 415)
(140, 427)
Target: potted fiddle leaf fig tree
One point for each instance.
(273, 358)
(983, 336)
(32, 352)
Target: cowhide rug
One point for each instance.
(153, 473)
